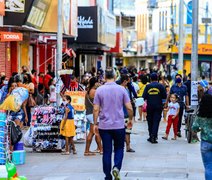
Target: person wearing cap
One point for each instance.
(154, 93)
(108, 106)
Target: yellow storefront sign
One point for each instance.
(203, 49)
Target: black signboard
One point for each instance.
(87, 25)
(15, 18)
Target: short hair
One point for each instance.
(33, 71)
(154, 77)
(189, 75)
(124, 77)
(68, 97)
(203, 77)
(109, 73)
(178, 75)
(205, 106)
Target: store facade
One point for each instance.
(96, 35)
(204, 59)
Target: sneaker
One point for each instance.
(116, 173)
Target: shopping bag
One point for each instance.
(28, 137)
(139, 102)
(16, 133)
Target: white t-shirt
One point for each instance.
(135, 85)
(173, 108)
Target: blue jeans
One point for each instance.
(109, 138)
(206, 151)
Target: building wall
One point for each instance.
(2, 57)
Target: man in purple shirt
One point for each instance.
(108, 106)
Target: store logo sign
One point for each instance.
(10, 36)
(84, 23)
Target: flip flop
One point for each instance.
(89, 154)
(65, 153)
(96, 151)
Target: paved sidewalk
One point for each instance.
(166, 160)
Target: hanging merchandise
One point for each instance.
(7, 169)
(45, 128)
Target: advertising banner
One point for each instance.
(87, 24)
(10, 36)
(38, 13)
(77, 100)
(2, 8)
(18, 17)
(194, 93)
(16, 6)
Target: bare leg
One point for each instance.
(140, 113)
(67, 145)
(72, 145)
(127, 138)
(89, 139)
(144, 115)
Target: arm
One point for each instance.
(96, 110)
(129, 110)
(25, 111)
(187, 101)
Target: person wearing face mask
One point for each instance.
(181, 90)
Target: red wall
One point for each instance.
(2, 57)
(14, 59)
(42, 57)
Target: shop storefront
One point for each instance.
(96, 33)
(8, 51)
(204, 59)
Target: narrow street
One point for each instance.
(166, 160)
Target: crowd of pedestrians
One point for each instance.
(111, 107)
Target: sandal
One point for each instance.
(65, 153)
(96, 151)
(165, 138)
(174, 139)
(89, 154)
(74, 152)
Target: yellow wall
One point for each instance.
(24, 53)
(187, 66)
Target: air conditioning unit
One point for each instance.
(152, 4)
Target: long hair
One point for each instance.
(205, 106)
(92, 83)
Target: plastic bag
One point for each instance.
(16, 133)
(28, 137)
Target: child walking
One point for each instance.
(173, 111)
(67, 127)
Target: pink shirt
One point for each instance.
(111, 98)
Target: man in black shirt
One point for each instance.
(154, 93)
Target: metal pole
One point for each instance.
(195, 29)
(59, 47)
(181, 36)
(206, 24)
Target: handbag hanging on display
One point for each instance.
(16, 133)
(31, 102)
